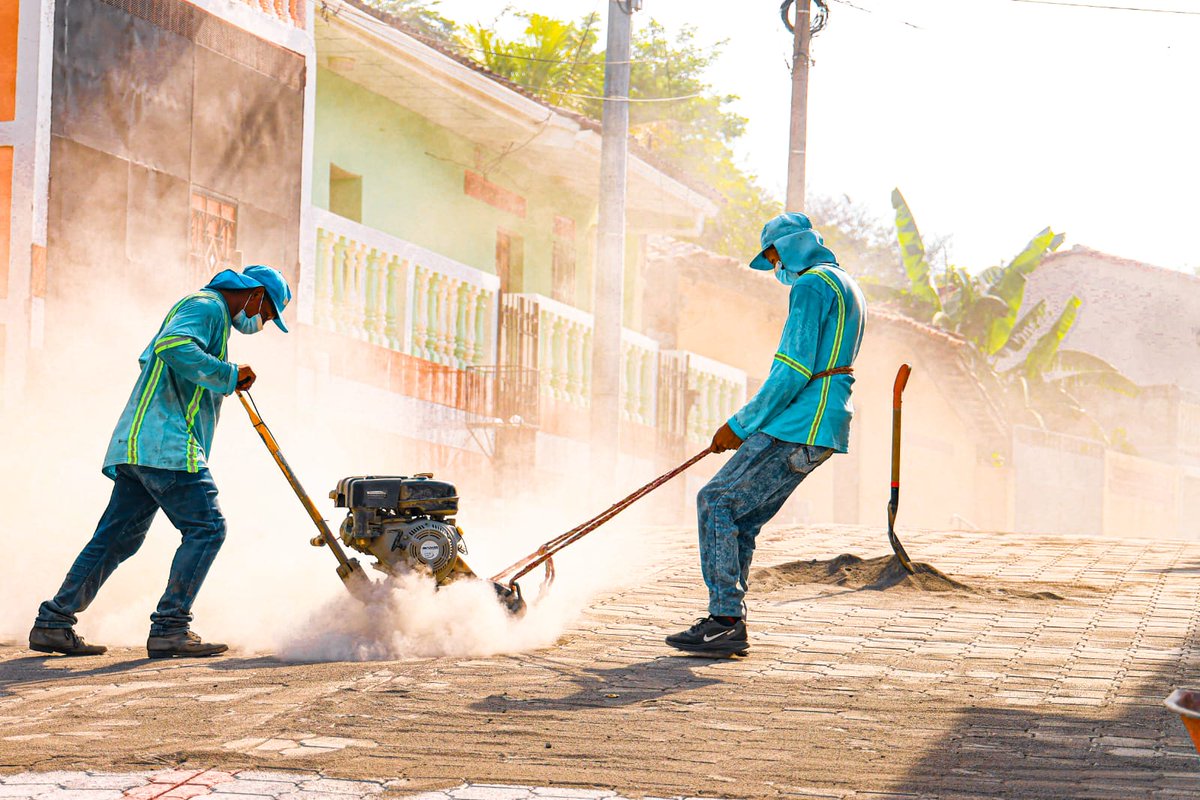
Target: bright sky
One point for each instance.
(995, 118)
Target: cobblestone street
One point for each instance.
(846, 694)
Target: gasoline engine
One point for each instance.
(407, 523)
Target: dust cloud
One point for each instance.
(268, 591)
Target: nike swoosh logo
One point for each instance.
(718, 635)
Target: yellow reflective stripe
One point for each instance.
(794, 364)
(163, 347)
(148, 392)
(833, 355)
(193, 407)
(143, 404)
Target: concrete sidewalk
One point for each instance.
(846, 694)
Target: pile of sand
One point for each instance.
(884, 574)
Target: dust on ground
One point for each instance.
(886, 573)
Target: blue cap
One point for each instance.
(253, 277)
(800, 248)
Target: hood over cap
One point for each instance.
(800, 247)
(253, 277)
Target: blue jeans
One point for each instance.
(189, 499)
(732, 508)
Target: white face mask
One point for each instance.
(249, 324)
(786, 277)
(246, 324)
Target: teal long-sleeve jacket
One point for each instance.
(824, 330)
(169, 420)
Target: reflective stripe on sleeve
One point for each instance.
(794, 364)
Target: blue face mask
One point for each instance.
(246, 324)
(786, 277)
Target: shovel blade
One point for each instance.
(900, 552)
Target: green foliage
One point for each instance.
(912, 252)
(421, 16)
(555, 60)
(561, 62)
(1011, 342)
(865, 246)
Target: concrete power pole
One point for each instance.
(610, 247)
(801, 37)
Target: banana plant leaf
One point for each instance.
(1025, 328)
(1010, 287)
(912, 249)
(1079, 361)
(1041, 355)
(978, 320)
(1099, 379)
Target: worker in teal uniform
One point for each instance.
(157, 458)
(793, 424)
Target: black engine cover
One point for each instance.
(399, 493)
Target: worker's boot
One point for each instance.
(712, 638)
(182, 645)
(62, 640)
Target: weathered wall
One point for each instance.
(698, 301)
(1059, 483)
(1141, 497)
(1141, 318)
(151, 100)
(953, 471)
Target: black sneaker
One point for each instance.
(62, 640)
(182, 645)
(711, 637)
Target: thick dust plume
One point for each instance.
(268, 590)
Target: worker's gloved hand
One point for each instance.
(245, 377)
(725, 439)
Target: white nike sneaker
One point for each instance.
(711, 637)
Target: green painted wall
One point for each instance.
(412, 186)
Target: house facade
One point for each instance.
(439, 226)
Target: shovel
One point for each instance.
(894, 502)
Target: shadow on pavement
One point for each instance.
(1039, 754)
(36, 669)
(644, 682)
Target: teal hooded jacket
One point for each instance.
(169, 420)
(824, 330)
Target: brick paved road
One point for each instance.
(846, 693)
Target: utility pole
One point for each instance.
(801, 36)
(609, 293)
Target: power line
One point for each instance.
(866, 10)
(1111, 8)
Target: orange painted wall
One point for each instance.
(10, 11)
(6, 175)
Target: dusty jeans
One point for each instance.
(741, 498)
(189, 499)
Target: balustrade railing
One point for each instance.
(639, 378)
(392, 293)
(565, 360)
(383, 290)
(289, 11)
(717, 390)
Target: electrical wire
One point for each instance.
(866, 10)
(818, 20)
(1111, 8)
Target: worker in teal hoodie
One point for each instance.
(157, 458)
(792, 425)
